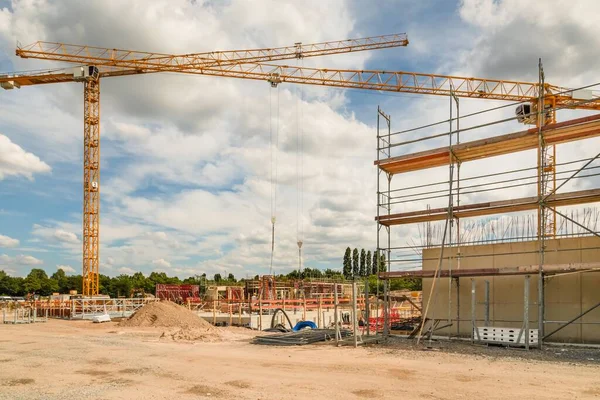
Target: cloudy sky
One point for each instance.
(185, 159)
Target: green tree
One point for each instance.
(311, 273)
(49, 286)
(355, 265)
(382, 264)
(35, 281)
(363, 263)
(406, 283)
(374, 285)
(294, 274)
(104, 285)
(138, 281)
(121, 286)
(75, 282)
(217, 278)
(375, 264)
(231, 278)
(368, 268)
(61, 279)
(347, 269)
(3, 283)
(10, 286)
(330, 273)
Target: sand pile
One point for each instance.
(182, 324)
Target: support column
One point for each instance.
(91, 186)
(355, 314)
(487, 303)
(335, 313)
(367, 306)
(457, 307)
(526, 312)
(473, 310)
(545, 225)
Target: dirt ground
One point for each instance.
(78, 359)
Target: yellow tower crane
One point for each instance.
(95, 63)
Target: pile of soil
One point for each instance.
(182, 323)
(191, 335)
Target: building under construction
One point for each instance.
(481, 259)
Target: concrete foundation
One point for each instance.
(253, 320)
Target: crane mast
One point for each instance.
(91, 185)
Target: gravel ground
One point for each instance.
(552, 353)
(79, 360)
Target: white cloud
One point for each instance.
(28, 260)
(6, 241)
(67, 268)
(126, 270)
(20, 259)
(65, 236)
(161, 263)
(566, 36)
(55, 235)
(14, 161)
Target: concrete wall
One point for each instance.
(566, 296)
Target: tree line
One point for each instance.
(38, 282)
(355, 266)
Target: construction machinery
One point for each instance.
(96, 63)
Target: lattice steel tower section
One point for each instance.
(91, 183)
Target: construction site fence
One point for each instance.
(79, 308)
(225, 305)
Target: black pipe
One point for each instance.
(286, 316)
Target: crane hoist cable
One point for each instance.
(299, 176)
(274, 144)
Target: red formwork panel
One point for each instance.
(235, 293)
(177, 293)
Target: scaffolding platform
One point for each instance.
(575, 129)
(491, 207)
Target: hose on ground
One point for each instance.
(286, 316)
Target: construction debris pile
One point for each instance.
(181, 323)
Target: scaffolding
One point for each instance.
(447, 235)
